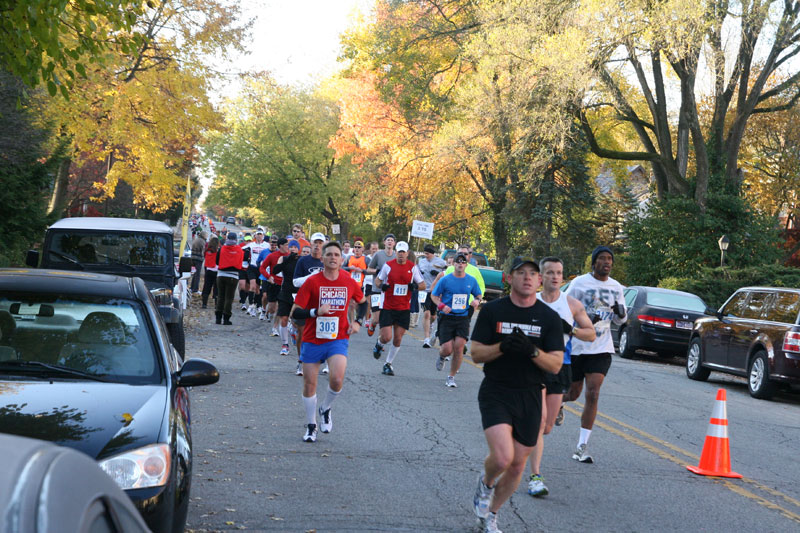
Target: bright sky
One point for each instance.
(296, 40)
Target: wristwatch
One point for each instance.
(535, 353)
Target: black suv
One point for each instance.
(754, 334)
(123, 247)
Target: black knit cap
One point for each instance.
(600, 249)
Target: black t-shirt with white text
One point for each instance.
(497, 319)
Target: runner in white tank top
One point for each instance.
(571, 312)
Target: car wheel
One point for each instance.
(694, 362)
(626, 351)
(177, 337)
(758, 377)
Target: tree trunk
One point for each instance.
(58, 200)
(500, 229)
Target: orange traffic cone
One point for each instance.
(716, 457)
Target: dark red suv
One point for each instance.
(754, 334)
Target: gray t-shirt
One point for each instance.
(437, 264)
(380, 258)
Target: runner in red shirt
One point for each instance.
(322, 301)
(398, 279)
(274, 281)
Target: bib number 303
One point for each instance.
(327, 327)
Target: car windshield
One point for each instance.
(98, 336)
(673, 300)
(109, 248)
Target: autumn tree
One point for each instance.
(275, 156)
(143, 112)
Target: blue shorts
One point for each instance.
(319, 353)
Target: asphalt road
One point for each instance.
(405, 451)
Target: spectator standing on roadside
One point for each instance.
(518, 339)
(229, 261)
(198, 252)
(604, 300)
(210, 264)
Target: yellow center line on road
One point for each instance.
(742, 491)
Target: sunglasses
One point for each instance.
(460, 261)
(357, 246)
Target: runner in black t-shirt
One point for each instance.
(518, 339)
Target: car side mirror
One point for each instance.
(32, 258)
(185, 264)
(197, 372)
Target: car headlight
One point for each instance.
(162, 296)
(141, 468)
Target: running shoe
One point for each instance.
(325, 370)
(426, 343)
(581, 456)
(560, 415)
(285, 349)
(482, 498)
(439, 363)
(450, 382)
(490, 524)
(377, 351)
(325, 424)
(536, 486)
(311, 433)
(274, 333)
(371, 330)
(299, 370)
(244, 307)
(261, 315)
(387, 369)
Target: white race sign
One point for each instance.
(423, 230)
(335, 229)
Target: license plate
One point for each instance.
(680, 324)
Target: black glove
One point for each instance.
(434, 273)
(413, 286)
(292, 255)
(385, 287)
(567, 327)
(618, 309)
(517, 343)
(596, 318)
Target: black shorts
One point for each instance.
(559, 383)
(264, 286)
(429, 305)
(253, 273)
(520, 408)
(284, 307)
(595, 363)
(390, 317)
(243, 275)
(451, 327)
(273, 290)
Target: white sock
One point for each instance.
(311, 409)
(584, 438)
(329, 398)
(392, 352)
(284, 331)
(382, 344)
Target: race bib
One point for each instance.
(459, 302)
(375, 300)
(422, 297)
(400, 290)
(327, 327)
(245, 264)
(356, 276)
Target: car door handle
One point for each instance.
(753, 331)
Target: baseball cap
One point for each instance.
(232, 236)
(358, 243)
(429, 248)
(402, 246)
(390, 236)
(248, 237)
(519, 261)
(261, 231)
(461, 257)
(318, 237)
